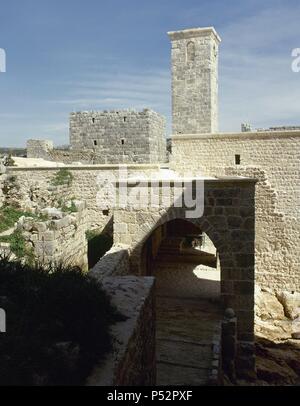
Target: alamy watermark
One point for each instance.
(122, 192)
(296, 61)
(2, 321)
(2, 60)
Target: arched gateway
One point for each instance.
(229, 221)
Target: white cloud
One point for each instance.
(257, 84)
(109, 90)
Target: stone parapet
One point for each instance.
(132, 362)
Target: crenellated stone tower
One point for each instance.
(195, 80)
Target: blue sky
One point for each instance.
(65, 56)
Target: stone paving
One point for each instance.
(187, 319)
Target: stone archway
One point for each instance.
(229, 221)
(187, 303)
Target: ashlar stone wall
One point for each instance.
(35, 189)
(195, 80)
(132, 362)
(120, 136)
(228, 220)
(274, 159)
(39, 148)
(59, 240)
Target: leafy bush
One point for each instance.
(10, 215)
(98, 245)
(68, 208)
(18, 246)
(62, 177)
(58, 323)
(10, 161)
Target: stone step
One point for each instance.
(178, 375)
(188, 354)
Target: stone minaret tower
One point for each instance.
(195, 80)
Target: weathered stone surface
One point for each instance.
(114, 263)
(123, 136)
(267, 306)
(195, 86)
(291, 304)
(53, 213)
(263, 156)
(132, 362)
(58, 241)
(278, 364)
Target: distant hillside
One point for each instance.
(13, 151)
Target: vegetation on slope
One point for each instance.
(10, 215)
(58, 323)
(18, 246)
(62, 177)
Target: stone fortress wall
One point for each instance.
(274, 159)
(114, 137)
(270, 156)
(36, 192)
(120, 136)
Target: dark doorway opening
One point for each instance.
(98, 244)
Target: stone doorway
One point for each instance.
(188, 308)
(229, 221)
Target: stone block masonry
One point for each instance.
(195, 80)
(119, 136)
(39, 148)
(114, 263)
(225, 201)
(59, 240)
(35, 190)
(132, 363)
(274, 159)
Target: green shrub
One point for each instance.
(10, 184)
(10, 215)
(68, 208)
(18, 246)
(58, 325)
(10, 161)
(62, 177)
(98, 245)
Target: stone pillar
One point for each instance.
(195, 80)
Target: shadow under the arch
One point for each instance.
(188, 314)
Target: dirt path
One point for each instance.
(187, 320)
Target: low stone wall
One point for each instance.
(60, 240)
(36, 191)
(114, 263)
(132, 362)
